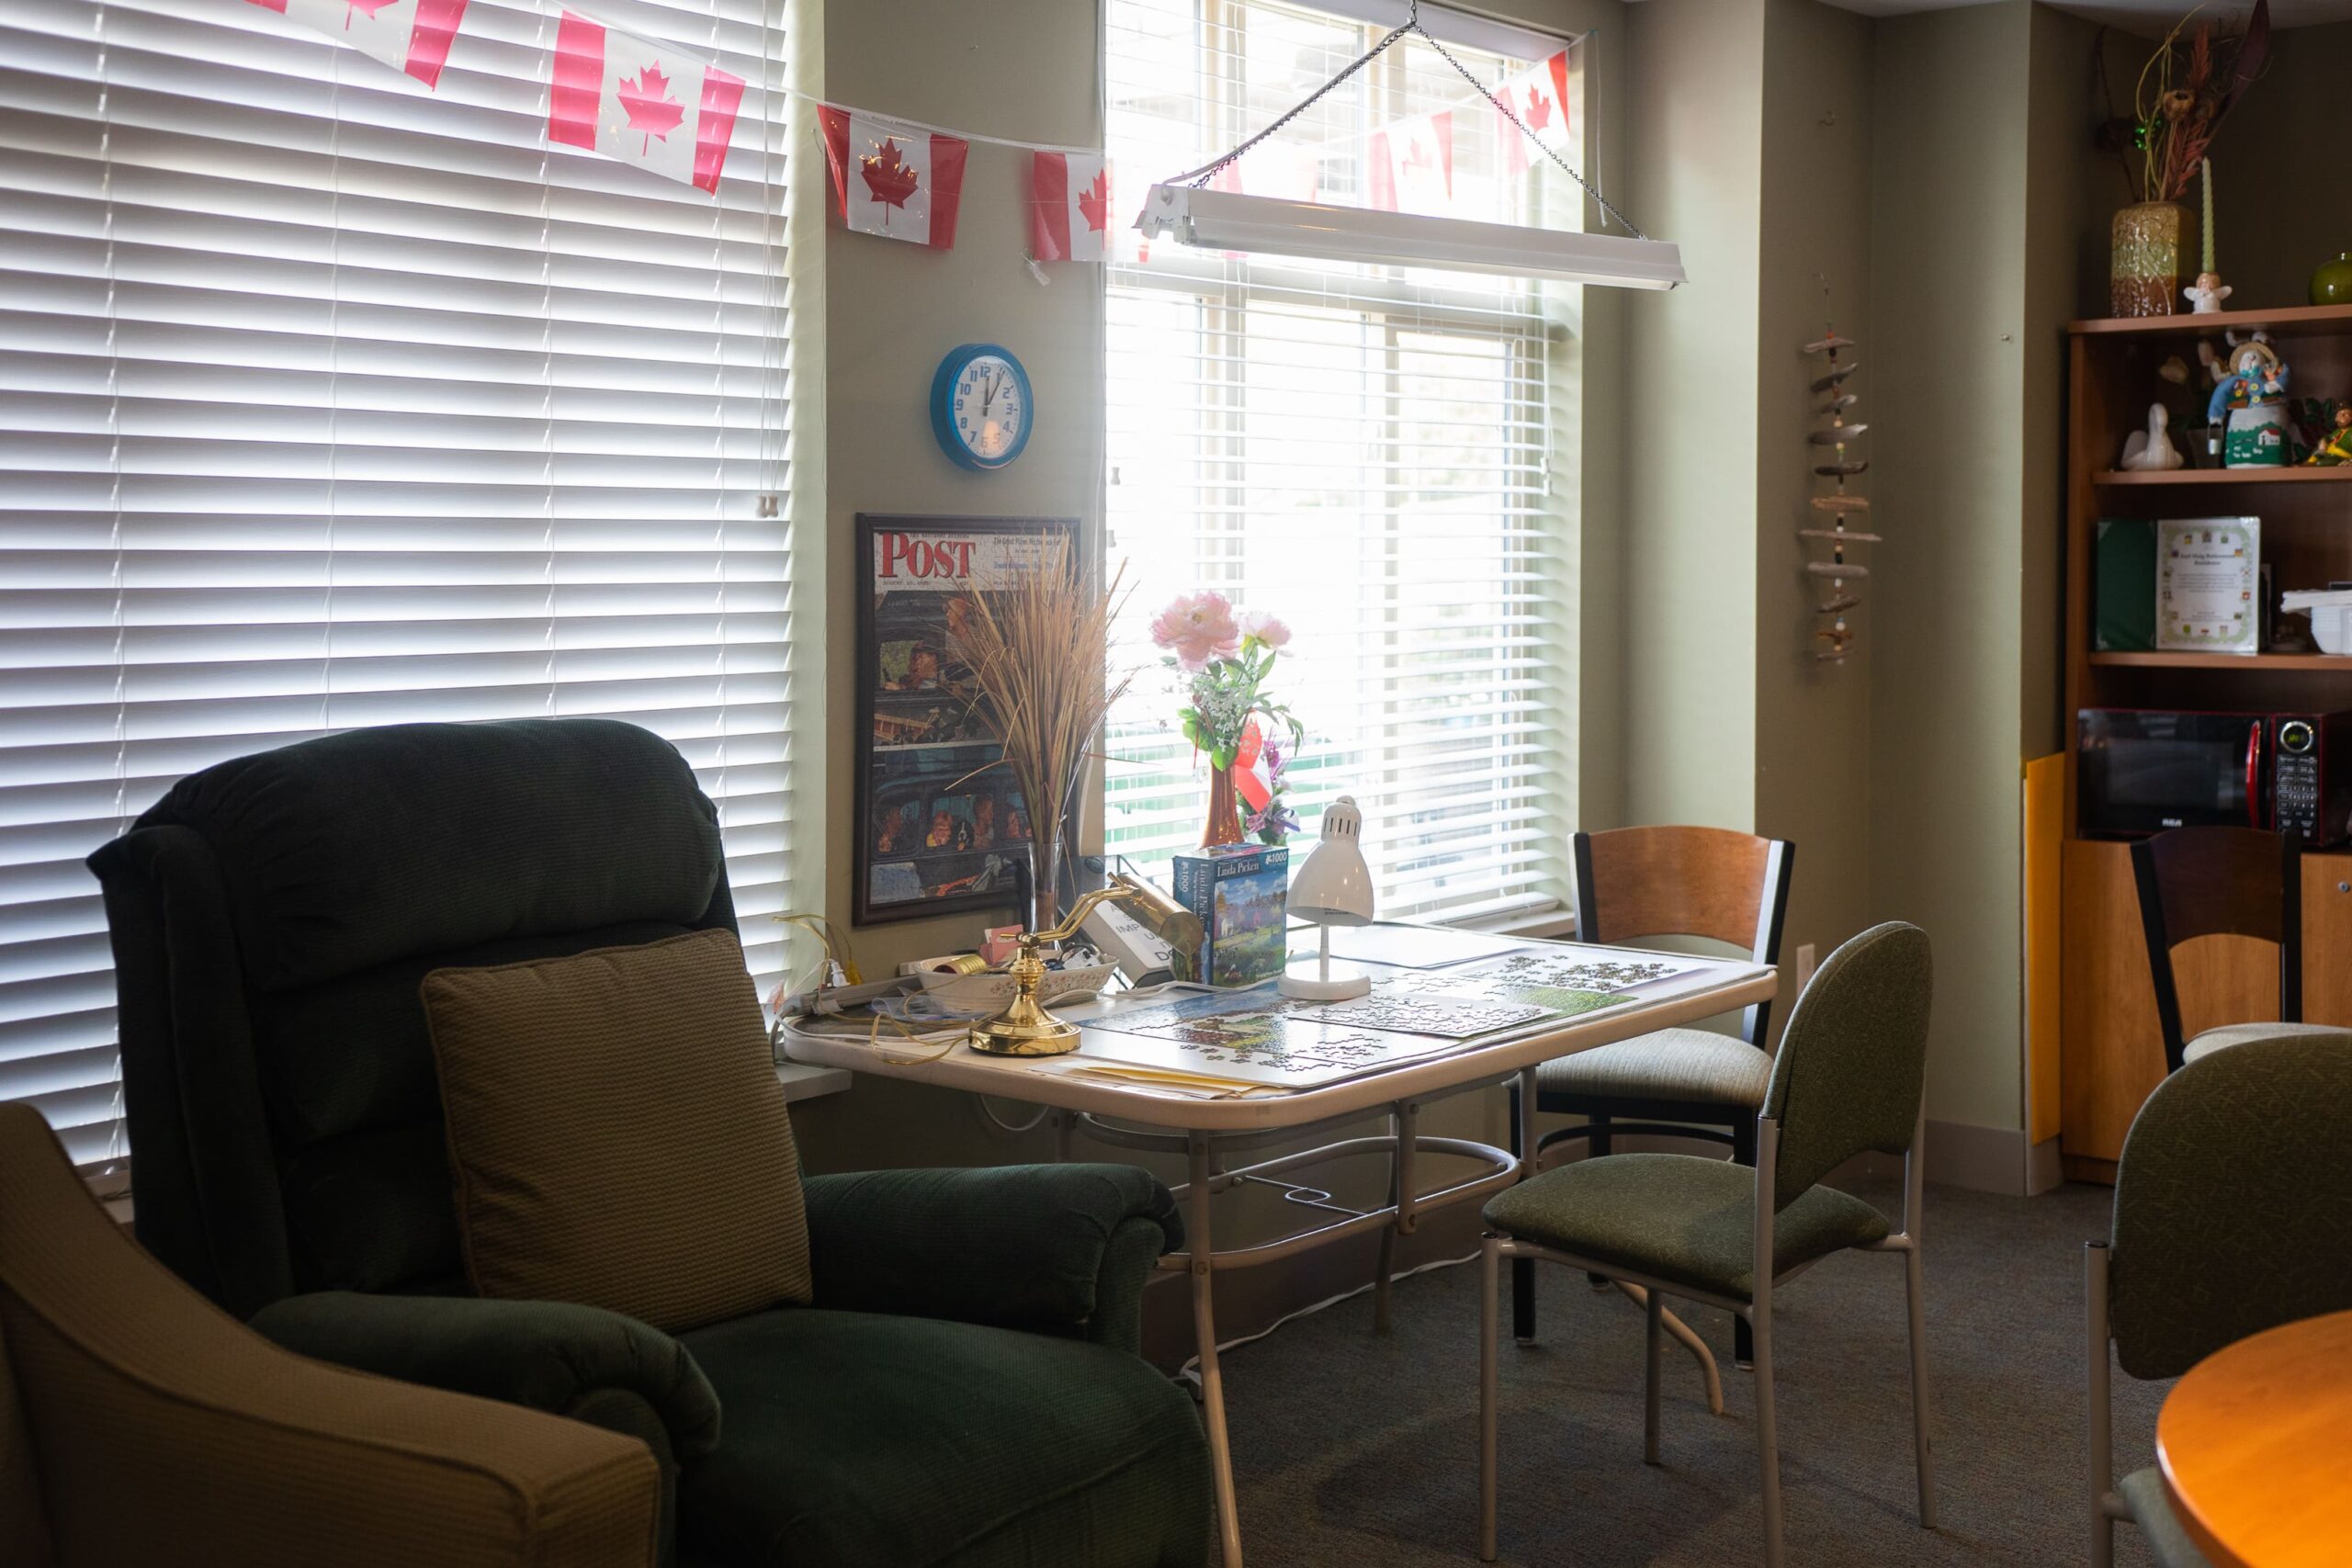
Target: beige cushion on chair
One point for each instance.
(1690, 1065)
(2231, 1035)
(617, 1133)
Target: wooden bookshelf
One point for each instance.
(2108, 1039)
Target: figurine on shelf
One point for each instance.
(2337, 450)
(2252, 394)
(2206, 295)
(2152, 449)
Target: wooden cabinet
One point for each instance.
(2111, 1054)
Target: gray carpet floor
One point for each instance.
(1359, 1451)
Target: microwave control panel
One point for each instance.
(2297, 783)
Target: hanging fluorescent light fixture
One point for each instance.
(1228, 221)
(1185, 210)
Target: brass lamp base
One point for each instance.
(1025, 1027)
(1040, 1034)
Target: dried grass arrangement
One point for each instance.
(2189, 86)
(1039, 654)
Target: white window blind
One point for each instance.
(327, 400)
(1363, 452)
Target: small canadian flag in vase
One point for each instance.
(1069, 206)
(894, 179)
(641, 102)
(407, 35)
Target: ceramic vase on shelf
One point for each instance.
(2143, 278)
(1224, 825)
(2332, 284)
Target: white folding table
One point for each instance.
(1137, 1115)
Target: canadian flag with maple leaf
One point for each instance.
(1539, 95)
(407, 35)
(1411, 165)
(1069, 208)
(894, 179)
(641, 102)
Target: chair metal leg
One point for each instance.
(1522, 1269)
(1768, 1442)
(1489, 1287)
(1384, 1272)
(1687, 1337)
(2102, 1445)
(1916, 1290)
(1653, 1348)
(1743, 1152)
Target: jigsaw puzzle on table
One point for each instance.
(1254, 1037)
(1559, 979)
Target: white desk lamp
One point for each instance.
(1333, 888)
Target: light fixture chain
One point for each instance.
(1412, 24)
(1207, 171)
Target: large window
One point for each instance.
(328, 401)
(1367, 453)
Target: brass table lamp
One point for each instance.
(1025, 1027)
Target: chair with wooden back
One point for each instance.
(2195, 882)
(1637, 885)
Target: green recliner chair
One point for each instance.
(965, 1388)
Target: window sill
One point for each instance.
(1553, 924)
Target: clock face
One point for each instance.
(990, 409)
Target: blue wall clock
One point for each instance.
(979, 406)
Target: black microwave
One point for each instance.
(2140, 771)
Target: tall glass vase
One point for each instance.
(2143, 276)
(1044, 881)
(1224, 825)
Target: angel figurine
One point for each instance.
(2205, 296)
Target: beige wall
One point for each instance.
(1812, 766)
(2281, 202)
(1947, 269)
(1693, 130)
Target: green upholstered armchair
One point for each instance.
(965, 1388)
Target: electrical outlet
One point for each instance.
(1805, 965)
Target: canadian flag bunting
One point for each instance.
(629, 98)
(1539, 95)
(1069, 206)
(894, 179)
(1411, 165)
(407, 35)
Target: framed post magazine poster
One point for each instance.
(941, 826)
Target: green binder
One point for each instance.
(2123, 579)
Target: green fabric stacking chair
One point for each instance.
(1850, 1079)
(965, 1389)
(1635, 886)
(2233, 1215)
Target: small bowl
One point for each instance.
(992, 988)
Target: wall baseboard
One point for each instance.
(1985, 1159)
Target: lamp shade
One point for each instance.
(1334, 888)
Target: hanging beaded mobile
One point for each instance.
(1839, 505)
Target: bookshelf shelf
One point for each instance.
(2297, 475)
(2250, 663)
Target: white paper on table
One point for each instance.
(1406, 947)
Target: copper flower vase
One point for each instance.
(1224, 825)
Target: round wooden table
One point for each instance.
(2256, 1444)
